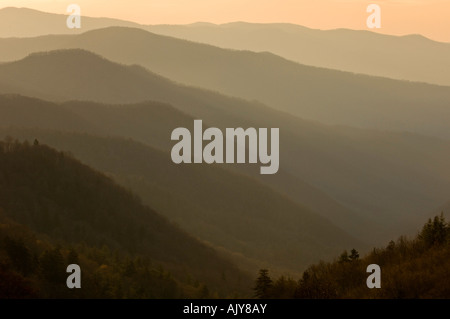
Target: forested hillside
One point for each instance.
(54, 208)
(219, 207)
(410, 268)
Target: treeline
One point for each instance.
(32, 267)
(410, 268)
(54, 211)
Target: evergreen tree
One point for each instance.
(354, 255)
(72, 258)
(344, 257)
(263, 285)
(52, 265)
(435, 231)
(19, 255)
(204, 292)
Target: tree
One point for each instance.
(19, 255)
(354, 255)
(344, 257)
(15, 286)
(263, 285)
(204, 292)
(435, 231)
(391, 246)
(283, 288)
(72, 258)
(52, 265)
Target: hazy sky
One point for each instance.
(427, 17)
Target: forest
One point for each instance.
(56, 211)
(410, 269)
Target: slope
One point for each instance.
(33, 266)
(43, 23)
(415, 268)
(411, 57)
(249, 222)
(328, 96)
(56, 195)
(152, 124)
(386, 177)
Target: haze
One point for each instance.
(399, 17)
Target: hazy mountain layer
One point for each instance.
(248, 221)
(385, 177)
(35, 23)
(411, 57)
(152, 123)
(324, 95)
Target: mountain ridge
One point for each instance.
(351, 99)
(41, 189)
(359, 51)
(218, 210)
(352, 166)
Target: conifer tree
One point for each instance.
(354, 255)
(263, 285)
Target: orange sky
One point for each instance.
(430, 18)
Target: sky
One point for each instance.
(430, 18)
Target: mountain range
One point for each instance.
(411, 57)
(211, 202)
(318, 94)
(352, 166)
(363, 157)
